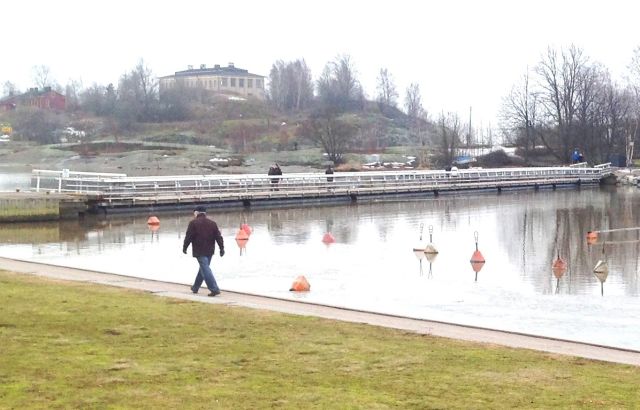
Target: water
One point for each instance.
(372, 266)
(9, 182)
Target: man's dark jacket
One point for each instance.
(202, 234)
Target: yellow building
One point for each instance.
(223, 80)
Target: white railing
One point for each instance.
(119, 187)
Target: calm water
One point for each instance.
(12, 181)
(371, 265)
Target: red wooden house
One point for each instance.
(46, 99)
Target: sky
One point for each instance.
(464, 54)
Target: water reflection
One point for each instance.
(370, 264)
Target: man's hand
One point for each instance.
(221, 253)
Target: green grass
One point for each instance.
(75, 345)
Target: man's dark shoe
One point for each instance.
(194, 290)
(215, 293)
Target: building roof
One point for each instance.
(230, 70)
(33, 92)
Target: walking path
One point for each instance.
(426, 327)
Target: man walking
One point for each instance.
(202, 234)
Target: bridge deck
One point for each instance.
(119, 190)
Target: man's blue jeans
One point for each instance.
(205, 273)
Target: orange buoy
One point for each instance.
(246, 228)
(592, 237)
(242, 235)
(242, 244)
(559, 267)
(153, 220)
(327, 238)
(300, 285)
(477, 261)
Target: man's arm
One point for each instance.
(187, 238)
(219, 240)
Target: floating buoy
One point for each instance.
(592, 237)
(601, 270)
(328, 239)
(242, 235)
(242, 244)
(246, 228)
(153, 220)
(430, 248)
(300, 285)
(477, 260)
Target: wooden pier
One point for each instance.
(107, 193)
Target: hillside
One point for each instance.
(230, 137)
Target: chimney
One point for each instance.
(231, 65)
(217, 66)
(189, 67)
(203, 66)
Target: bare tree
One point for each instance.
(518, 114)
(339, 86)
(634, 85)
(332, 132)
(72, 94)
(137, 95)
(560, 81)
(291, 87)
(387, 94)
(42, 76)
(415, 113)
(9, 88)
(449, 129)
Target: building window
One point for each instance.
(233, 82)
(249, 83)
(241, 82)
(258, 83)
(224, 81)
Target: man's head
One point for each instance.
(200, 209)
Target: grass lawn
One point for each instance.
(77, 345)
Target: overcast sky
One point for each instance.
(462, 53)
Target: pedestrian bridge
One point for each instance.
(121, 192)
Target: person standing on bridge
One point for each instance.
(202, 234)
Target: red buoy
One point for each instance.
(153, 220)
(327, 238)
(477, 261)
(300, 285)
(242, 235)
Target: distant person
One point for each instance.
(275, 170)
(202, 234)
(576, 157)
(329, 171)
